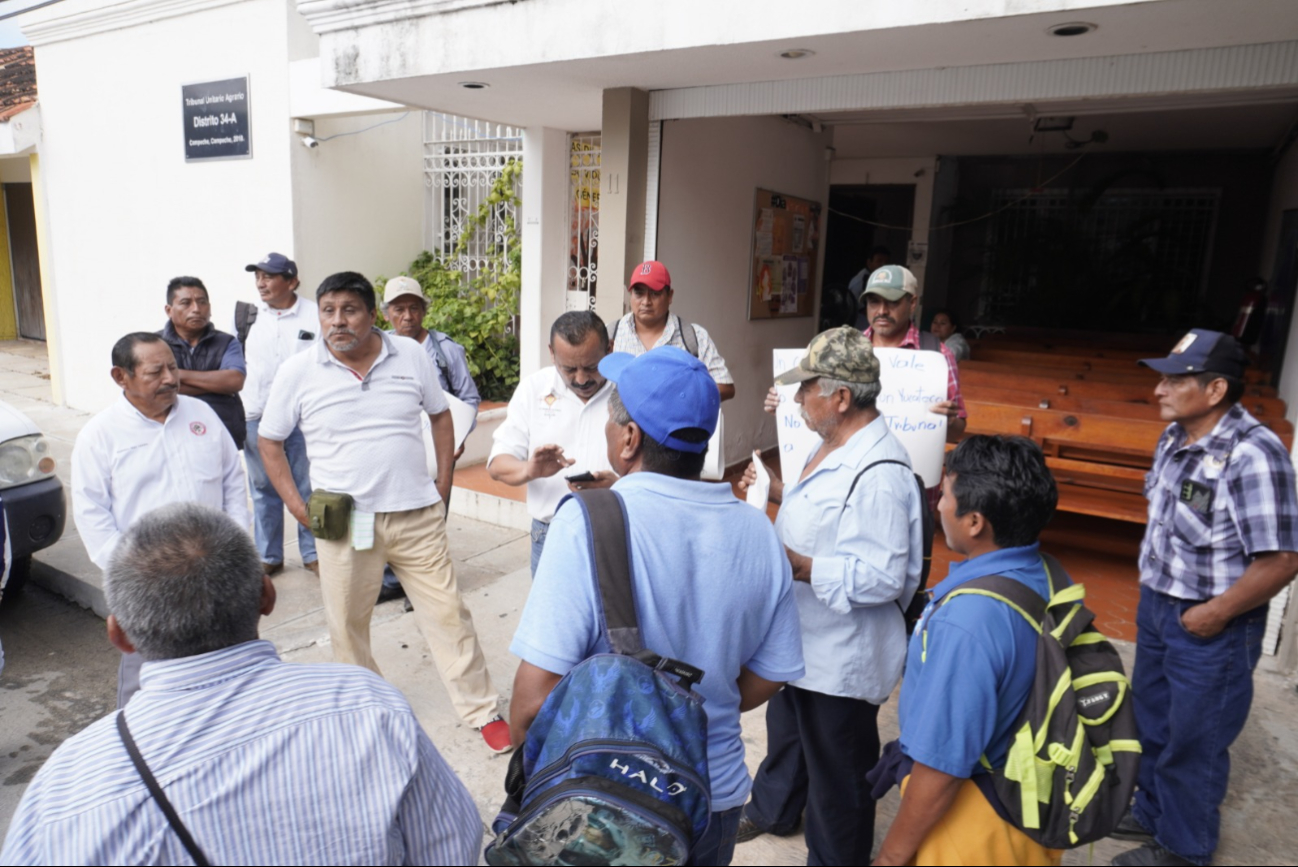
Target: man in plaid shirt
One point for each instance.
(1222, 539)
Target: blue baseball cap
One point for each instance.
(666, 390)
(275, 263)
(1202, 351)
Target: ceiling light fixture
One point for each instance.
(1072, 28)
(796, 53)
(474, 85)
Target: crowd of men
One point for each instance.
(270, 762)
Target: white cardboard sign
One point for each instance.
(912, 380)
(462, 416)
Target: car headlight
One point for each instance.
(25, 459)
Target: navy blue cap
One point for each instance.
(666, 390)
(1202, 351)
(275, 263)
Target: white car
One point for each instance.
(32, 504)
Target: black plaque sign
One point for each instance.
(216, 120)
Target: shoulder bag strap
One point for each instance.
(442, 362)
(689, 336)
(173, 819)
(606, 517)
(925, 514)
(245, 315)
(867, 469)
(613, 334)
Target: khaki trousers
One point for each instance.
(414, 544)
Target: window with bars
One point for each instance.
(583, 204)
(1126, 259)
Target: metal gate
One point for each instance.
(463, 158)
(583, 203)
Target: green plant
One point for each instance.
(480, 313)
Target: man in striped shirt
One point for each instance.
(264, 762)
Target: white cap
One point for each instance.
(398, 286)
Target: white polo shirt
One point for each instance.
(544, 411)
(363, 434)
(275, 336)
(125, 464)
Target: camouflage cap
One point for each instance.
(841, 353)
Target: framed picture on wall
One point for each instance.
(786, 239)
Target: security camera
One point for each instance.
(310, 141)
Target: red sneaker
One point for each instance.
(496, 734)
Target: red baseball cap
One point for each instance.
(652, 274)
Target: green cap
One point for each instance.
(841, 353)
(890, 282)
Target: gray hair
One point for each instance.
(864, 394)
(185, 579)
(617, 411)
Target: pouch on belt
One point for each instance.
(329, 514)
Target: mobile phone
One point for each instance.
(581, 477)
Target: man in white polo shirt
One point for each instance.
(357, 396)
(151, 447)
(554, 428)
(277, 327)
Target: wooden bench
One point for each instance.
(1269, 411)
(1080, 363)
(1105, 384)
(1098, 461)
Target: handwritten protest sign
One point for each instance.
(911, 381)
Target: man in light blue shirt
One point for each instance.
(712, 584)
(265, 762)
(852, 527)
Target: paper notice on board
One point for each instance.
(462, 416)
(760, 490)
(911, 381)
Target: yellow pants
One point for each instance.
(414, 544)
(972, 833)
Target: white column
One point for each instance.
(545, 251)
(624, 141)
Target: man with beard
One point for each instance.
(554, 429)
(152, 447)
(357, 396)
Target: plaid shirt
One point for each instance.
(1215, 505)
(911, 341)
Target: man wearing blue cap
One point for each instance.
(1221, 540)
(712, 584)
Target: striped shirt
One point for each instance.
(266, 762)
(625, 339)
(1215, 505)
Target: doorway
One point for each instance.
(26, 263)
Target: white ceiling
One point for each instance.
(894, 134)
(567, 94)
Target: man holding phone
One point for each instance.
(552, 439)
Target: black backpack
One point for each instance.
(1075, 753)
(689, 336)
(914, 606)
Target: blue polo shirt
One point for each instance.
(713, 588)
(963, 692)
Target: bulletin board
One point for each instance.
(786, 239)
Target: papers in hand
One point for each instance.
(462, 416)
(760, 490)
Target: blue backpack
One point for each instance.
(615, 768)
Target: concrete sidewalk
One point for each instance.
(491, 562)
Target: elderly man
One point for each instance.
(852, 526)
(650, 325)
(151, 447)
(210, 362)
(712, 585)
(282, 326)
(1221, 540)
(264, 762)
(357, 397)
(554, 428)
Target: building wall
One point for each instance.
(710, 171)
(358, 200)
(126, 212)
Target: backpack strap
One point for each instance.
(1025, 601)
(244, 315)
(927, 526)
(442, 363)
(611, 555)
(689, 336)
(612, 335)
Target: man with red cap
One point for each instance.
(650, 324)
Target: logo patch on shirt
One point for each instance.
(197, 428)
(1197, 496)
(548, 400)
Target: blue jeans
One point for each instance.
(1191, 696)
(267, 507)
(717, 845)
(539, 530)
